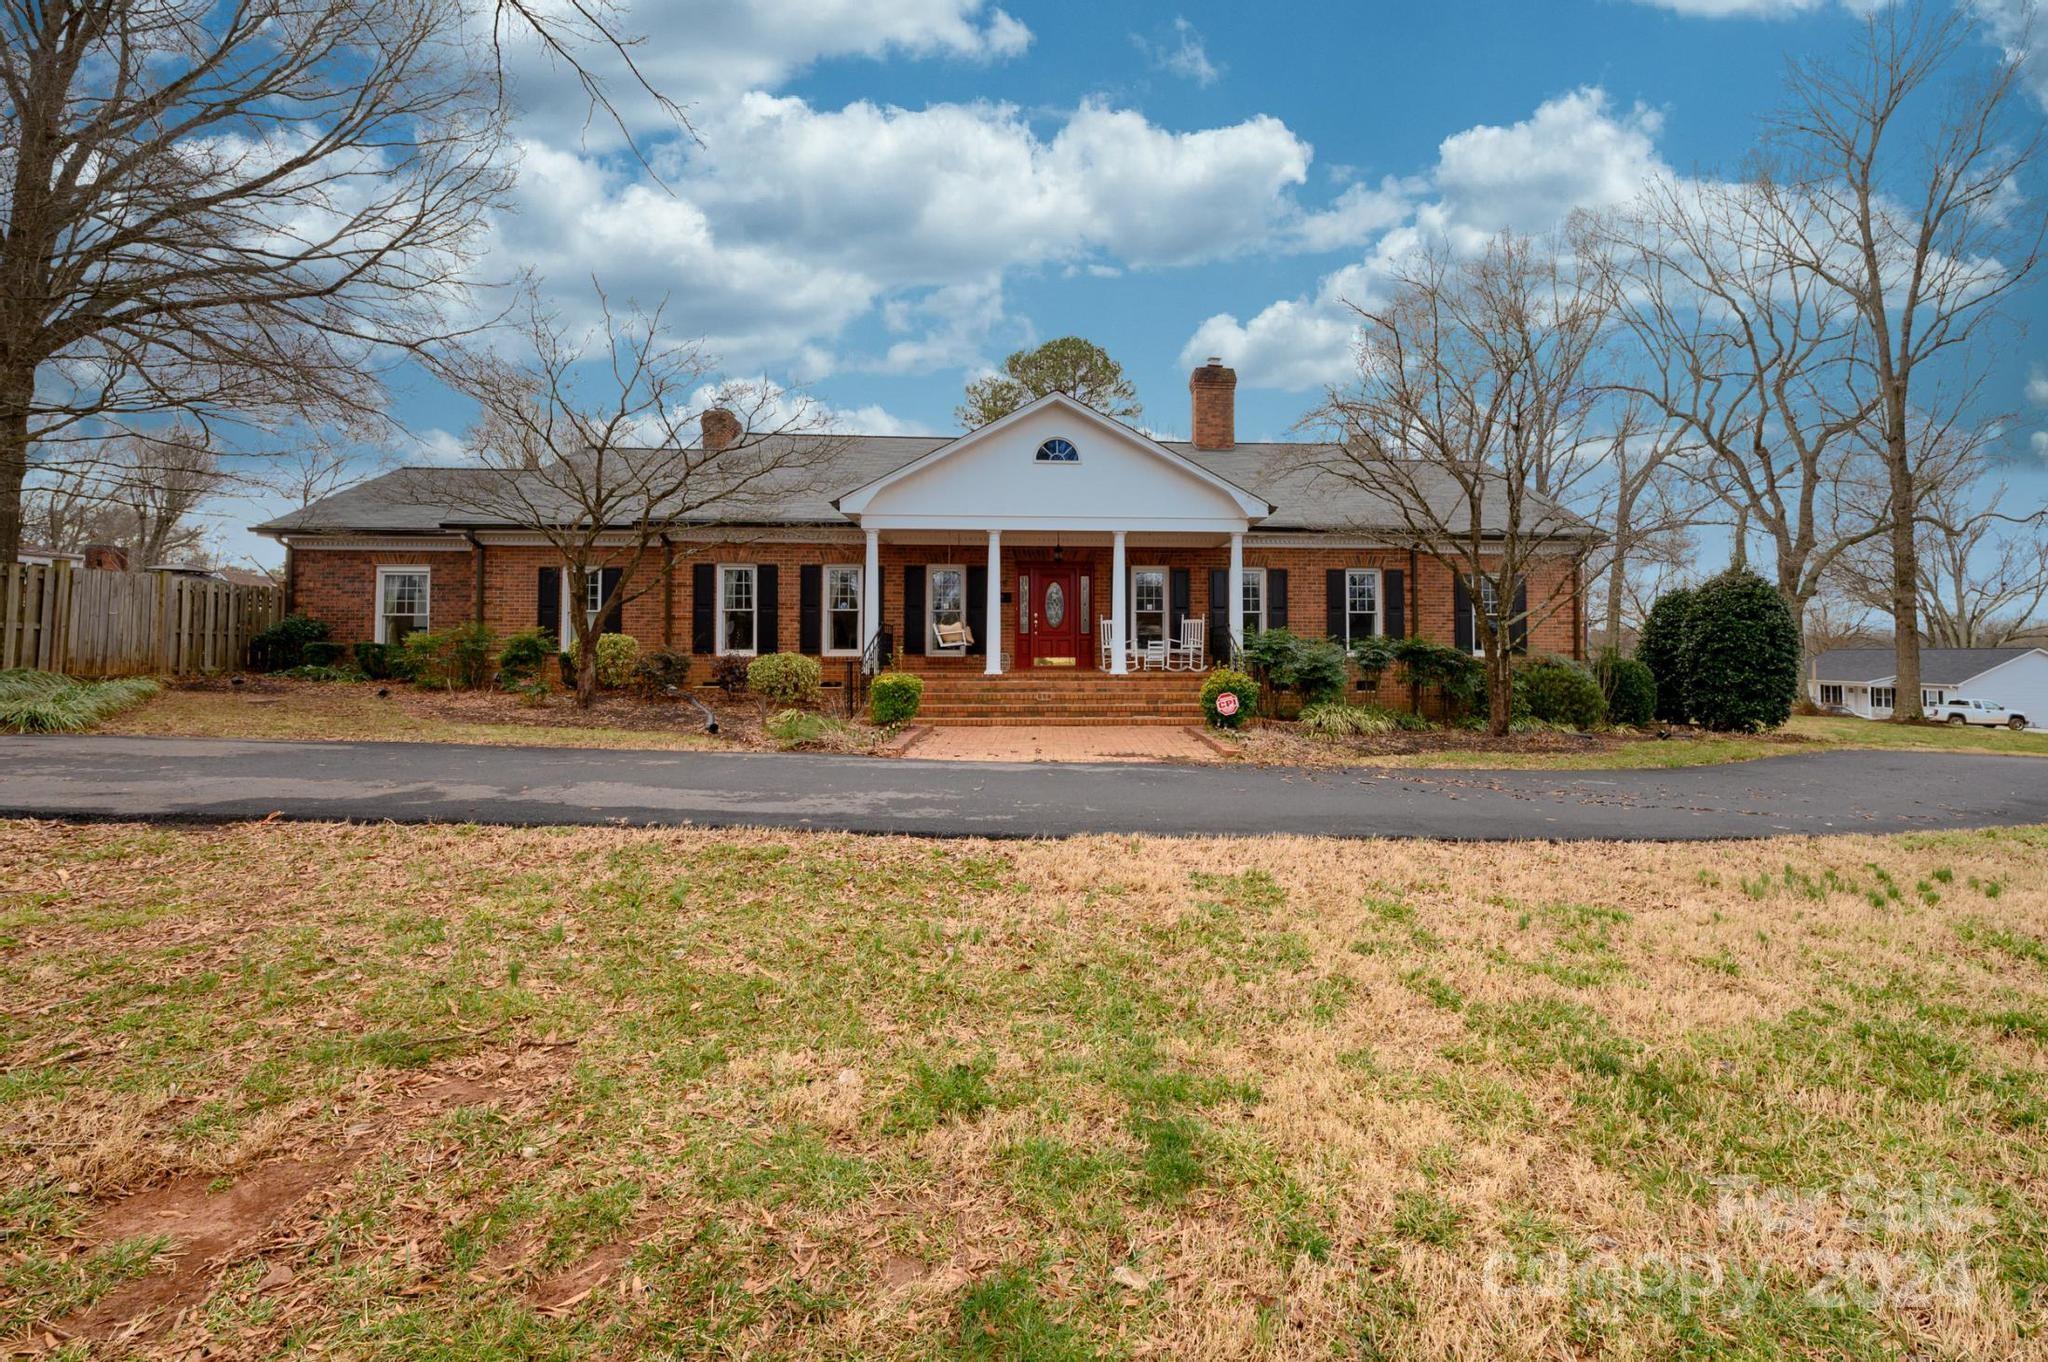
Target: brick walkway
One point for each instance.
(1062, 744)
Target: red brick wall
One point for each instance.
(339, 587)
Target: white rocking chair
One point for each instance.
(1188, 652)
(1105, 643)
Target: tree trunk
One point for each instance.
(586, 671)
(1905, 591)
(1617, 577)
(1500, 687)
(16, 393)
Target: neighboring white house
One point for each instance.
(1860, 680)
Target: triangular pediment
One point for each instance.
(1098, 472)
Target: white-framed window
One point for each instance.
(738, 607)
(1883, 697)
(1361, 603)
(1932, 697)
(593, 602)
(839, 632)
(1254, 600)
(1058, 450)
(1830, 694)
(1149, 602)
(402, 602)
(1488, 600)
(945, 604)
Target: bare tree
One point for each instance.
(236, 209)
(143, 493)
(1905, 201)
(1755, 362)
(1645, 502)
(1473, 417)
(588, 438)
(1983, 571)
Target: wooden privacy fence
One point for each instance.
(91, 623)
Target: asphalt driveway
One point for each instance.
(191, 779)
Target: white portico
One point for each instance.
(1042, 492)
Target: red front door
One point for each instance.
(1052, 632)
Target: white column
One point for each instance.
(992, 617)
(1119, 607)
(1237, 591)
(871, 592)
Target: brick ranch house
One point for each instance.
(1060, 525)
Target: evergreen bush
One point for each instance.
(893, 698)
(1661, 646)
(1740, 662)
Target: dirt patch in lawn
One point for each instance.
(379, 711)
(210, 1223)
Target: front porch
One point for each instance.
(1053, 605)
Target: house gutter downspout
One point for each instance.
(476, 572)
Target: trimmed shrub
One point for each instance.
(894, 697)
(1630, 688)
(1741, 658)
(1373, 656)
(523, 657)
(377, 661)
(1661, 648)
(1455, 675)
(322, 653)
(1559, 691)
(729, 674)
(616, 654)
(801, 727)
(786, 678)
(453, 658)
(1312, 668)
(1225, 680)
(283, 644)
(660, 671)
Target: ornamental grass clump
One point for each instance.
(44, 702)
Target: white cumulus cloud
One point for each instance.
(1575, 151)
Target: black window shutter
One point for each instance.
(703, 586)
(1461, 611)
(1518, 630)
(1219, 611)
(1336, 601)
(1180, 588)
(810, 604)
(1393, 604)
(1276, 598)
(767, 619)
(614, 608)
(550, 594)
(913, 610)
(977, 611)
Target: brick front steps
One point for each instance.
(1021, 699)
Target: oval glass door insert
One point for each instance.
(1055, 605)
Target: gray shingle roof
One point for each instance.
(1294, 477)
(1938, 666)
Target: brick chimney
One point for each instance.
(722, 430)
(1212, 392)
(106, 558)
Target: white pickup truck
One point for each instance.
(1989, 713)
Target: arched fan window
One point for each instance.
(1057, 450)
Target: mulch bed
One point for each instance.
(740, 716)
(1284, 742)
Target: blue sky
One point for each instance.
(891, 195)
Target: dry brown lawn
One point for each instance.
(380, 1092)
